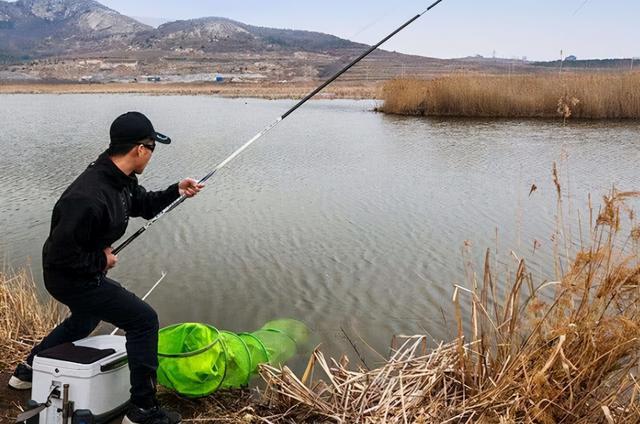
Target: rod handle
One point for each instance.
(129, 240)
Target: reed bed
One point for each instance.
(24, 317)
(564, 96)
(569, 356)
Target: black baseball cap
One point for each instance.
(133, 127)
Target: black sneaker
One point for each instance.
(21, 378)
(153, 415)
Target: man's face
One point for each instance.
(144, 153)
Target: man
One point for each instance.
(90, 216)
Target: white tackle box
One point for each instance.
(86, 381)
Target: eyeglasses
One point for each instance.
(149, 146)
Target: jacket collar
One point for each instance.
(114, 175)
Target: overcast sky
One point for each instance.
(538, 29)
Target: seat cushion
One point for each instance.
(77, 354)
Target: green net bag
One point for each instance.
(191, 359)
(280, 347)
(239, 365)
(195, 360)
(257, 351)
(296, 330)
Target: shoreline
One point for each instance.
(271, 91)
(571, 97)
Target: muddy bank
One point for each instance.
(236, 406)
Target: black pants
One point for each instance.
(106, 300)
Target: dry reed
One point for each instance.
(525, 359)
(587, 96)
(24, 317)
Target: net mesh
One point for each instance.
(280, 347)
(257, 351)
(238, 361)
(191, 359)
(197, 359)
(296, 330)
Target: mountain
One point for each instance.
(45, 28)
(72, 40)
(214, 34)
(40, 28)
(83, 39)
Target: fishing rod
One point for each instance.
(269, 127)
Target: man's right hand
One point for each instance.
(112, 259)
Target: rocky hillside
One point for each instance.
(45, 28)
(40, 28)
(224, 35)
(83, 40)
(71, 40)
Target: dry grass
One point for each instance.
(588, 96)
(557, 352)
(524, 359)
(24, 317)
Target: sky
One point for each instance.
(537, 29)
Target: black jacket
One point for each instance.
(91, 215)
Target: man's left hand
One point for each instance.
(189, 187)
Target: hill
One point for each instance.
(37, 29)
(43, 28)
(83, 40)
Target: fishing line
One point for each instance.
(584, 3)
(269, 127)
(372, 23)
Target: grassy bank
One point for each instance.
(566, 95)
(560, 351)
(24, 317)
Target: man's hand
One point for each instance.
(189, 187)
(112, 259)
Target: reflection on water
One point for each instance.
(340, 217)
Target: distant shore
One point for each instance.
(270, 90)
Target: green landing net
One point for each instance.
(197, 359)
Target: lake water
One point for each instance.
(340, 217)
